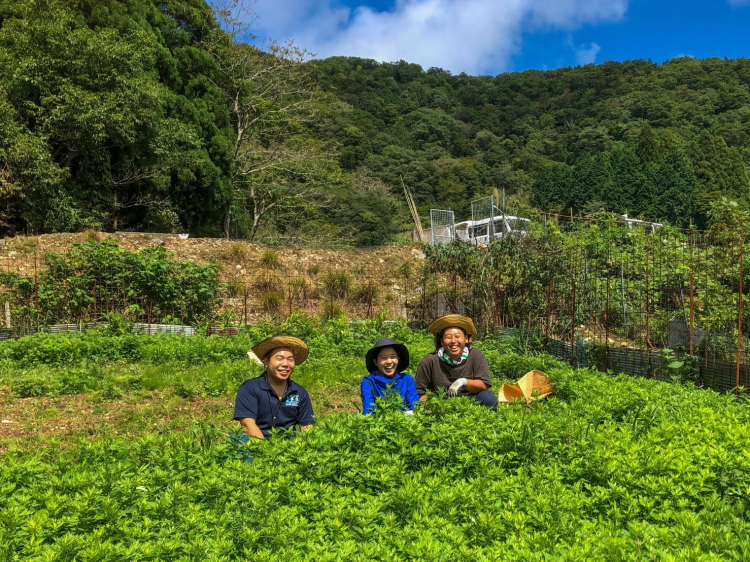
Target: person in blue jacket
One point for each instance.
(387, 361)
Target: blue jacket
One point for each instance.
(376, 385)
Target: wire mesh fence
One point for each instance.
(649, 302)
(36, 299)
(442, 226)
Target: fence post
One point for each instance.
(606, 330)
(7, 314)
(244, 303)
(369, 300)
(648, 306)
(573, 322)
(291, 297)
(739, 315)
(93, 294)
(549, 308)
(692, 304)
(622, 289)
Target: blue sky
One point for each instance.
(493, 36)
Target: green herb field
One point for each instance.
(609, 468)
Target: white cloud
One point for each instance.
(739, 2)
(587, 56)
(459, 35)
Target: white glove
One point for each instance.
(454, 389)
(409, 413)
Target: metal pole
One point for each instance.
(648, 306)
(739, 315)
(549, 307)
(692, 303)
(244, 303)
(573, 321)
(622, 288)
(606, 330)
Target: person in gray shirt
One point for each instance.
(455, 368)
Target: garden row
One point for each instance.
(611, 468)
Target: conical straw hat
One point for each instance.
(453, 321)
(532, 386)
(298, 347)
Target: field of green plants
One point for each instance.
(609, 468)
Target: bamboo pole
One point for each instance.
(413, 210)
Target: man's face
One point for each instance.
(279, 364)
(387, 361)
(454, 341)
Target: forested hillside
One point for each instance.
(144, 115)
(658, 141)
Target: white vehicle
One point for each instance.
(478, 232)
(630, 223)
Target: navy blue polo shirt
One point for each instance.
(257, 400)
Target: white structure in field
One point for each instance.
(487, 223)
(630, 223)
(483, 231)
(442, 226)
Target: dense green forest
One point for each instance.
(151, 115)
(657, 141)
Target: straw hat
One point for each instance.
(298, 347)
(453, 321)
(532, 386)
(399, 348)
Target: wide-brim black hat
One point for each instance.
(399, 348)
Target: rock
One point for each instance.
(157, 241)
(2, 241)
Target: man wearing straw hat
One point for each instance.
(273, 400)
(455, 368)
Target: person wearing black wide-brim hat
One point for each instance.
(386, 362)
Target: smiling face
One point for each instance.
(279, 364)
(387, 361)
(454, 340)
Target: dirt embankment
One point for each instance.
(23, 253)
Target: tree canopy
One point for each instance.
(123, 115)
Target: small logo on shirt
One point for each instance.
(292, 400)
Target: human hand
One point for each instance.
(454, 389)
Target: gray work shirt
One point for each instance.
(435, 374)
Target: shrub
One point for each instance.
(270, 260)
(336, 284)
(238, 252)
(271, 302)
(268, 282)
